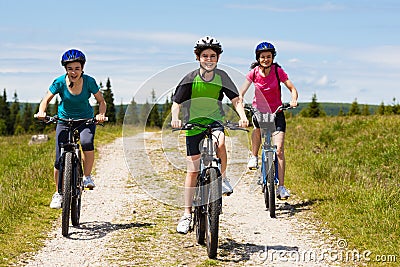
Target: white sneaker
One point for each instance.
(88, 183)
(184, 224)
(226, 187)
(56, 201)
(282, 193)
(253, 163)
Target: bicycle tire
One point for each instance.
(199, 215)
(263, 176)
(213, 211)
(66, 205)
(76, 200)
(271, 187)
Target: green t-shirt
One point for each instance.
(201, 100)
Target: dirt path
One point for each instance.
(121, 225)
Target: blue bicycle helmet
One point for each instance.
(263, 47)
(73, 55)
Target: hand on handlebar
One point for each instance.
(244, 123)
(176, 124)
(101, 118)
(41, 115)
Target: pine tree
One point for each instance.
(121, 114)
(314, 110)
(341, 112)
(27, 117)
(131, 114)
(144, 113)
(14, 111)
(395, 107)
(5, 126)
(381, 109)
(354, 109)
(109, 98)
(365, 111)
(154, 116)
(166, 111)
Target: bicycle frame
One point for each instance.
(71, 145)
(269, 172)
(208, 192)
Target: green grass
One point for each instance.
(349, 168)
(26, 187)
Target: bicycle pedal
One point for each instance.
(88, 188)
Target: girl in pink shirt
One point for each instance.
(267, 76)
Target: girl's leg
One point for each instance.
(219, 137)
(255, 141)
(193, 165)
(279, 139)
(88, 161)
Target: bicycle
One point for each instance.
(268, 173)
(207, 200)
(70, 179)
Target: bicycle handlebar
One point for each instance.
(50, 119)
(284, 106)
(193, 125)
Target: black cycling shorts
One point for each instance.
(193, 142)
(280, 122)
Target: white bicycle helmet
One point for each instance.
(207, 42)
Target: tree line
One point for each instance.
(17, 118)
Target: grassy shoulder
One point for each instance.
(347, 169)
(26, 187)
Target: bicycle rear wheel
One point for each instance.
(66, 205)
(77, 198)
(271, 187)
(213, 211)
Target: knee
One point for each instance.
(280, 153)
(87, 145)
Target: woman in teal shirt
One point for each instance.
(74, 89)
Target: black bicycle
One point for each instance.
(268, 173)
(207, 199)
(70, 179)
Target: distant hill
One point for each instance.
(332, 109)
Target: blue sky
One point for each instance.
(339, 50)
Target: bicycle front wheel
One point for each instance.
(67, 178)
(76, 200)
(213, 211)
(199, 214)
(271, 186)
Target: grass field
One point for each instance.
(348, 169)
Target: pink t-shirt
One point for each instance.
(267, 97)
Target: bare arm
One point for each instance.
(102, 106)
(238, 104)
(293, 91)
(43, 105)
(244, 88)
(175, 121)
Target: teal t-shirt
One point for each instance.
(201, 100)
(74, 106)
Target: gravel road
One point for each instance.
(122, 225)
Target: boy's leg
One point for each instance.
(193, 165)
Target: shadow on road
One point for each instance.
(96, 229)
